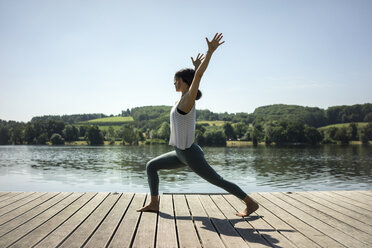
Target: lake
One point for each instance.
(122, 168)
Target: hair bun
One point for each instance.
(198, 95)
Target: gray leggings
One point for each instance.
(194, 158)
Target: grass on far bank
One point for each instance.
(118, 119)
(340, 125)
(212, 123)
(115, 120)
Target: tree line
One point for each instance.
(312, 116)
(278, 132)
(153, 116)
(59, 132)
(278, 124)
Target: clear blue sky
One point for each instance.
(71, 57)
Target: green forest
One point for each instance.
(272, 124)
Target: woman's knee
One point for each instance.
(151, 166)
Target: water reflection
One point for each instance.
(69, 168)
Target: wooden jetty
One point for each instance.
(91, 219)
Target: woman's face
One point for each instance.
(180, 85)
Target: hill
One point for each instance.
(311, 116)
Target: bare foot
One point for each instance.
(149, 208)
(153, 206)
(252, 206)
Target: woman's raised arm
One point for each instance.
(212, 46)
(194, 87)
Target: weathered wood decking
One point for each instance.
(298, 219)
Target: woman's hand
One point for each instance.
(197, 61)
(190, 96)
(212, 45)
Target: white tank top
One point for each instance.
(182, 128)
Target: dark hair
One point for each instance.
(187, 76)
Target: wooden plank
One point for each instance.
(298, 224)
(145, 236)
(208, 234)
(80, 236)
(365, 192)
(337, 203)
(349, 226)
(272, 236)
(102, 236)
(49, 226)
(39, 209)
(15, 199)
(26, 208)
(127, 228)
(166, 234)
(187, 235)
(349, 203)
(361, 202)
(246, 231)
(317, 197)
(307, 216)
(282, 227)
(228, 234)
(16, 234)
(9, 196)
(63, 231)
(2, 193)
(360, 195)
(18, 204)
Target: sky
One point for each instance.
(76, 57)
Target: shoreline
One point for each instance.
(230, 143)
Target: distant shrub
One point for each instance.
(94, 136)
(112, 141)
(214, 138)
(343, 135)
(4, 135)
(57, 139)
(328, 140)
(43, 138)
(312, 135)
(366, 133)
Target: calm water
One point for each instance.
(122, 169)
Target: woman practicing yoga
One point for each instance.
(182, 136)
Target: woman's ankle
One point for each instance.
(154, 199)
(248, 200)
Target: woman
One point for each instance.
(182, 125)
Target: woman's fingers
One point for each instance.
(200, 56)
(217, 36)
(216, 41)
